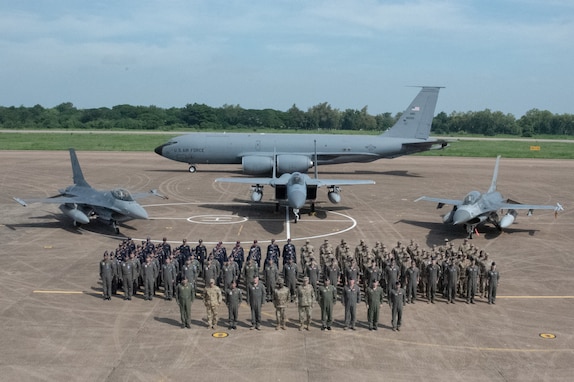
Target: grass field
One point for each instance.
(133, 141)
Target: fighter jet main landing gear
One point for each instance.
(312, 212)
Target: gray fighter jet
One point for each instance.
(255, 152)
(477, 208)
(295, 189)
(81, 202)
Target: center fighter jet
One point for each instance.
(477, 208)
(295, 189)
(81, 202)
(294, 152)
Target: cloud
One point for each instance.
(235, 51)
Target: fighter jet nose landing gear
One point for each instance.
(296, 213)
(115, 227)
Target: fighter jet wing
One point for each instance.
(141, 195)
(262, 181)
(453, 202)
(64, 199)
(58, 199)
(518, 206)
(336, 182)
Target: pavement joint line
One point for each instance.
(58, 291)
(478, 348)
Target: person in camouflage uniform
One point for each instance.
(212, 299)
(305, 299)
(280, 300)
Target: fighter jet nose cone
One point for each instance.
(460, 217)
(159, 150)
(297, 199)
(138, 212)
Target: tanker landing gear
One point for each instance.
(192, 168)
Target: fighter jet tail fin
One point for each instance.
(416, 120)
(494, 176)
(78, 176)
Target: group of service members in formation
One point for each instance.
(373, 275)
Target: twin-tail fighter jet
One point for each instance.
(295, 189)
(81, 202)
(258, 154)
(478, 208)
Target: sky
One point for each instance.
(504, 55)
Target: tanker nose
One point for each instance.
(159, 150)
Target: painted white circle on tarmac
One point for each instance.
(348, 223)
(216, 219)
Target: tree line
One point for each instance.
(319, 117)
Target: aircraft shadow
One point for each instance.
(490, 232)
(267, 217)
(437, 232)
(60, 221)
(262, 213)
(105, 229)
(56, 222)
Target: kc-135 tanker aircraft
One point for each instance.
(259, 154)
(81, 202)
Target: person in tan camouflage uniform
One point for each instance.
(212, 299)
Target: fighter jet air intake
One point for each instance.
(477, 208)
(81, 202)
(255, 152)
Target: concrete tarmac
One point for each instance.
(56, 327)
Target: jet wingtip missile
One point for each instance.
(156, 193)
(20, 201)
